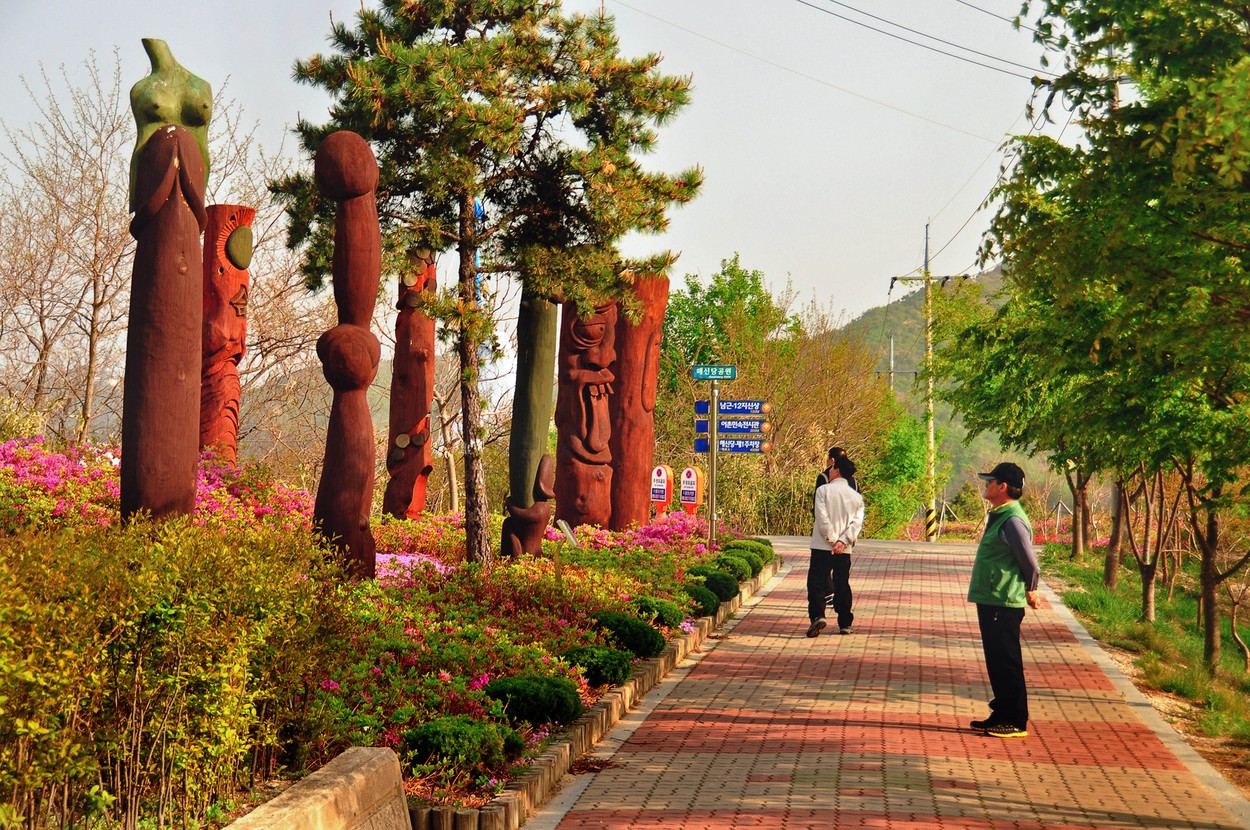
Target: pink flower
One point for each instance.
(330, 686)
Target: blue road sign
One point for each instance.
(737, 426)
(738, 408)
(714, 372)
(733, 445)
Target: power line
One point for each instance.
(1010, 20)
(804, 75)
(923, 45)
(930, 37)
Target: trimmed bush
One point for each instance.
(536, 700)
(761, 549)
(600, 665)
(718, 582)
(630, 633)
(734, 566)
(463, 741)
(706, 602)
(660, 611)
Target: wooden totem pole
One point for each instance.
(531, 471)
(227, 255)
(345, 171)
(409, 460)
(632, 406)
(161, 392)
(583, 485)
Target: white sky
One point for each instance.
(826, 147)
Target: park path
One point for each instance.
(765, 728)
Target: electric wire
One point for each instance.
(934, 38)
(1011, 20)
(806, 76)
(917, 43)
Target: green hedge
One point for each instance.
(191, 639)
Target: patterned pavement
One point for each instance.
(765, 728)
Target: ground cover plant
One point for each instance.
(1169, 650)
(151, 673)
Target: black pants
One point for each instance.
(830, 570)
(1000, 639)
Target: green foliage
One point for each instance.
(968, 504)
(600, 665)
(760, 548)
(724, 586)
(535, 699)
(662, 611)
(630, 633)
(735, 566)
(191, 640)
(706, 602)
(464, 742)
(894, 481)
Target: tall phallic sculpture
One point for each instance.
(632, 405)
(583, 485)
(227, 255)
(161, 392)
(529, 482)
(409, 459)
(346, 172)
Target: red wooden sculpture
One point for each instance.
(632, 405)
(227, 254)
(409, 460)
(161, 395)
(345, 171)
(587, 351)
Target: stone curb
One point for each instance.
(523, 796)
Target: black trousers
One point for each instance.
(1000, 639)
(829, 570)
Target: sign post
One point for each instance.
(661, 489)
(714, 373)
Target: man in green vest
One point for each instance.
(1005, 576)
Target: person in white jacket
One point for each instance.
(839, 518)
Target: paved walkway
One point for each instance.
(768, 729)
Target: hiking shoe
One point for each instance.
(984, 724)
(816, 627)
(1006, 730)
(846, 629)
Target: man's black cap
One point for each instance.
(1007, 473)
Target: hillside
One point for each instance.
(904, 319)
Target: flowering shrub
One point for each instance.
(278, 659)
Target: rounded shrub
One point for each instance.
(630, 633)
(463, 741)
(718, 582)
(600, 665)
(761, 549)
(662, 611)
(536, 700)
(734, 566)
(706, 602)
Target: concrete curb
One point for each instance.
(524, 795)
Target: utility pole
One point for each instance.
(930, 513)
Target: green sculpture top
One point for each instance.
(170, 95)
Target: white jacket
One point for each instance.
(839, 515)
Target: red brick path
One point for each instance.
(770, 729)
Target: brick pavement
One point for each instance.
(770, 729)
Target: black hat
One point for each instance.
(1007, 473)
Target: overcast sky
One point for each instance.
(826, 146)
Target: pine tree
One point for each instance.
(518, 109)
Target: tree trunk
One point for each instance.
(1210, 580)
(476, 517)
(1148, 571)
(1077, 483)
(1245, 651)
(1111, 562)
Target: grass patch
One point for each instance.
(1169, 649)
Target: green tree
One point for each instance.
(1140, 237)
(518, 109)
